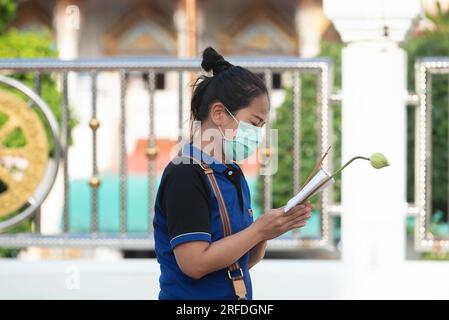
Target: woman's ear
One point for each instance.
(217, 113)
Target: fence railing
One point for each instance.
(149, 67)
(425, 70)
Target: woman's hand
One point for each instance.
(275, 222)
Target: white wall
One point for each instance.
(272, 279)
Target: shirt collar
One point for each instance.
(190, 150)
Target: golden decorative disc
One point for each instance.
(21, 167)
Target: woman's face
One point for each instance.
(256, 114)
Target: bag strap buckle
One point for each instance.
(231, 277)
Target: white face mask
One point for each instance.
(245, 143)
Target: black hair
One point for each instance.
(232, 85)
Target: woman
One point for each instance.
(198, 256)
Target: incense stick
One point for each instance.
(315, 169)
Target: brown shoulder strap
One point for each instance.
(237, 281)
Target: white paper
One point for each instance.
(317, 179)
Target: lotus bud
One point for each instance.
(378, 160)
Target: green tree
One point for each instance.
(8, 10)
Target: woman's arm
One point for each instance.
(198, 258)
(257, 253)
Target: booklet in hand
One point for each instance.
(315, 183)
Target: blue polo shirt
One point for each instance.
(186, 209)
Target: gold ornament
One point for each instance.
(21, 168)
(94, 182)
(151, 153)
(267, 152)
(94, 124)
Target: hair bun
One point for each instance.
(212, 60)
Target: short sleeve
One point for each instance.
(186, 203)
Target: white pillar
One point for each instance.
(180, 19)
(309, 24)
(374, 88)
(67, 21)
(67, 24)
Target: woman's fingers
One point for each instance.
(299, 206)
(299, 215)
(277, 222)
(298, 222)
(298, 211)
(298, 225)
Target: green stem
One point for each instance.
(335, 173)
(347, 163)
